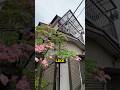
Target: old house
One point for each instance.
(69, 75)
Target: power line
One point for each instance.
(80, 12)
(74, 11)
(78, 6)
(72, 16)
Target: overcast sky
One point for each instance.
(45, 10)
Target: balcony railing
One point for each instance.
(69, 24)
(97, 13)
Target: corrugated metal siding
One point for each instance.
(91, 84)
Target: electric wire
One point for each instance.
(80, 12)
(78, 6)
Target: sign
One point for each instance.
(60, 60)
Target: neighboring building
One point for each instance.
(72, 72)
(102, 42)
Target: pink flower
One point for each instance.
(77, 58)
(101, 76)
(40, 48)
(4, 79)
(15, 52)
(45, 63)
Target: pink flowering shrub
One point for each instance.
(14, 52)
(97, 73)
(45, 63)
(40, 48)
(101, 75)
(77, 58)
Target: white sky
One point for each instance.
(45, 10)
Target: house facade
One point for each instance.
(69, 75)
(102, 42)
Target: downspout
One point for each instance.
(81, 81)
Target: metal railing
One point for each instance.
(96, 13)
(69, 24)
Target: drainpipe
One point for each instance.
(81, 81)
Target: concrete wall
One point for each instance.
(72, 47)
(95, 52)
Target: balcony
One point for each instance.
(69, 25)
(98, 14)
(100, 26)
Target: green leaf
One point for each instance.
(90, 66)
(12, 37)
(65, 54)
(38, 41)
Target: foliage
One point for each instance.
(38, 41)
(16, 14)
(65, 54)
(49, 47)
(98, 73)
(43, 83)
(49, 33)
(13, 37)
(90, 66)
